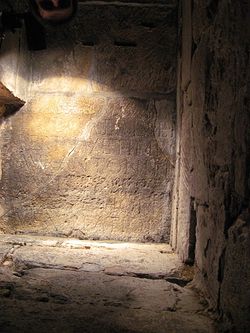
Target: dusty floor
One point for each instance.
(62, 285)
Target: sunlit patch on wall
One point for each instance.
(60, 121)
(67, 84)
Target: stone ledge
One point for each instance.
(9, 101)
(146, 261)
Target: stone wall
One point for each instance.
(212, 177)
(92, 153)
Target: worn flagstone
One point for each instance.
(63, 285)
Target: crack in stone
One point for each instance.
(24, 266)
(150, 276)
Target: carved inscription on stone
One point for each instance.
(93, 149)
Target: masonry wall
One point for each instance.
(212, 179)
(92, 153)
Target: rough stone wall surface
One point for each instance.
(213, 168)
(92, 153)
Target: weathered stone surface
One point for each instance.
(70, 293)
(92, 302)
(235, 289)
(4, 250)
(94, 147)
(128, 50)
(157, 260)
(100, 174)
(213, 169)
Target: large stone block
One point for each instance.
(104, 169)
(128, 49)
(94, 147)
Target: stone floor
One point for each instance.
(73, 286)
